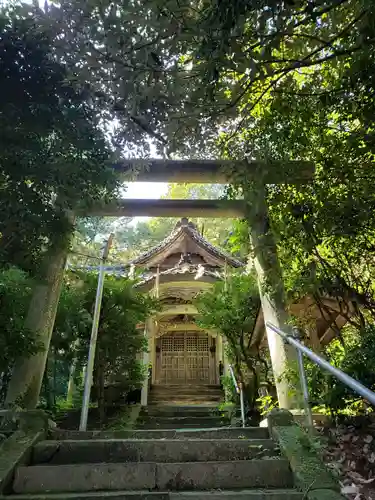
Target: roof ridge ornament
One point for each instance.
(185, 222)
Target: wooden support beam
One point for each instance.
(180, 327)
(168, 208)
(175, 310)
(211, 171)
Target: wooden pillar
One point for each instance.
(154, 360)
(151, 344)
(219, 355)
(271, 291)
(144, 393)
(220, 352)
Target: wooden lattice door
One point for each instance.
(172, 359)
(185, 358)
(197, 359)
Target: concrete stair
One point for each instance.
(178, 464)
(185, 394)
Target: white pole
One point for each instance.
(94, 337)
(243, 418)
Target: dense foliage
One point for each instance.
(181, 72)
(329, 395)
(53, 154)
(120, 338)
(120, 341)
(15, 339)
(231, 308)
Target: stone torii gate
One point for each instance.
(187, 171)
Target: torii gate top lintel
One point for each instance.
(211, 171)
(194, 171)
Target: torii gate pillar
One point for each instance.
(271, 290)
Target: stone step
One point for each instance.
(181, 410)
(178, 402)
(185, 390)
(192, 391)
(216, 434)
(171, 413)
(185, 387)
(187, 398)
(192, 420)
(195, 425)
(274, 494)
(257, 473)
(148, 450)
(183, 417)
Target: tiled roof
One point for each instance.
(184, 226)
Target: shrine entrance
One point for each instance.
(186, 358)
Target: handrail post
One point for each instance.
(234, 379)
(242, 405)
(239, 390)
(303, 381)
(305, 390)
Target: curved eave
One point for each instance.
(201, 242)
(156, 250)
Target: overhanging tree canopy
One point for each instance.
(53, 154)
(181, 72)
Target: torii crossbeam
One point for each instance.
(194, 171)
(211, 171)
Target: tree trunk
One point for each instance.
(25, 384)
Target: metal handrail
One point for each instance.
(340, 375)
(239, 390)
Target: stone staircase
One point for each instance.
(185, 394)
(174, 464)
(181, 417)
